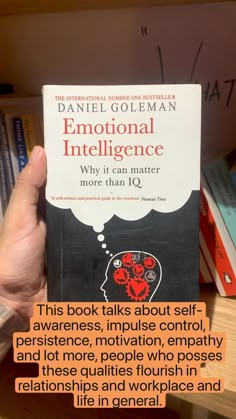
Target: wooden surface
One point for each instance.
(222, 314)
(14, 7)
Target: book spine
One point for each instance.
(6, 153)
(201, 279)
(233, 178)
(32, 124)
(220, 182)
(205, 274)
(28, 134)
(3, 197)
(12, 144)
(20, 143)
(214, 249)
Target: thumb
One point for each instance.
(22, 209)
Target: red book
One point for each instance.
(205, 274)
(216, 244)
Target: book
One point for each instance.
(3, 188)
(233, 177)
(221, 185)
(205, 274)
(9, 118)
(12, 106)
(231, 162)
(216, 243)
(32, 131)
(6, 156)
(20, 143)
(123, 192)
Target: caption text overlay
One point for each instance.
(117, 354)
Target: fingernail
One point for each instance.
(34, 156)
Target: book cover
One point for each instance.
(123, 192)
(221, 184)
(216, 243)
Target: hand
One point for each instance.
(22, 240)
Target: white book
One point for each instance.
(123, 192)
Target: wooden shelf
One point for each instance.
(20, 7)
(221, 312)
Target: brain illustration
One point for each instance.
(138, 272)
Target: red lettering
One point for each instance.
(68, 125)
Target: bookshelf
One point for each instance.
(220, 310)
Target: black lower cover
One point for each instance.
(78, 265)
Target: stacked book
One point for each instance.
(218, 223)
(20, 129)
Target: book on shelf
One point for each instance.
(24, 132)
(216, 243)
(33, 130)
(9, 118)
(3, 183)
(231, 161)
(233, 177)
(122, 192)
(12, 109)
(20, 143)
(205, 273)
(218, 176)
(6, 155)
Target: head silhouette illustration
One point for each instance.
(132, 276)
